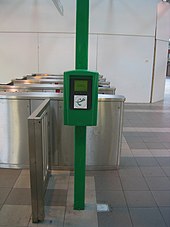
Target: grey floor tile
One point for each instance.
(146, 217)
(153, 171)
(4, 192)
(107, 183)
(126, 123)
(146, 161)
(90, 183)
(151, 139)
(19, 196)
(155, 145)
(146, 134)
(134, 183)
(135, 145)
(163, 136)
(8, 177)
(81, 218)
(130, 134)
(160, 152)
(138, 124)
(62, 173)
(111, 173)
(56, 197)
(134, 139)
(167, 145)
(163, 161)
(158, 183)
(139, 199)
(25, 172)
(58, 181)
(13, 172)
(54, 217)
(113, 198)
(166, 169)
(141, 153)
(23, 181)
(162, 198)
(118, 217)
(128, 161)
(130, 171)
(165, 211)
(15, 215)
(126, 152)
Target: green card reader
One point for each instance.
(80, 97)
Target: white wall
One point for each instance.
(26, 40)
(125, 32)
(162, 39)
(125, 17)
(39, 39)
(163, 21)
(18, 55)
(36, 16)
(127, 62)
(160, 70)
(56, 52)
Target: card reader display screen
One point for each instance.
(80, 85)
(80, 93)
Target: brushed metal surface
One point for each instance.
(14, 131)
(39, 157)
(45, 77)
(103, 144)
(55, 96)
(66, 141)
(47, 88)
(30, 95)
(31, 87)
(38, 81)
(103, 141)
(49, 75)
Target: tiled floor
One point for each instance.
(15, 201)
(138, 194)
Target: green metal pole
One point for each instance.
(82, 24)
(82, 27)
(79, 167)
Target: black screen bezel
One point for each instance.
(88, 93)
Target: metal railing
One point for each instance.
(39, 155)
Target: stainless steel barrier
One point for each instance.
(39, 156)
(48, 76)
(57, 88)
(47, 79)
(103, 140)
(37, 81)
(106, 90)
(32, 88)
(103, 144)
(44, 77)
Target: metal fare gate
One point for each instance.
(39, 156)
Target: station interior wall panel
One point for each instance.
(35, 38)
